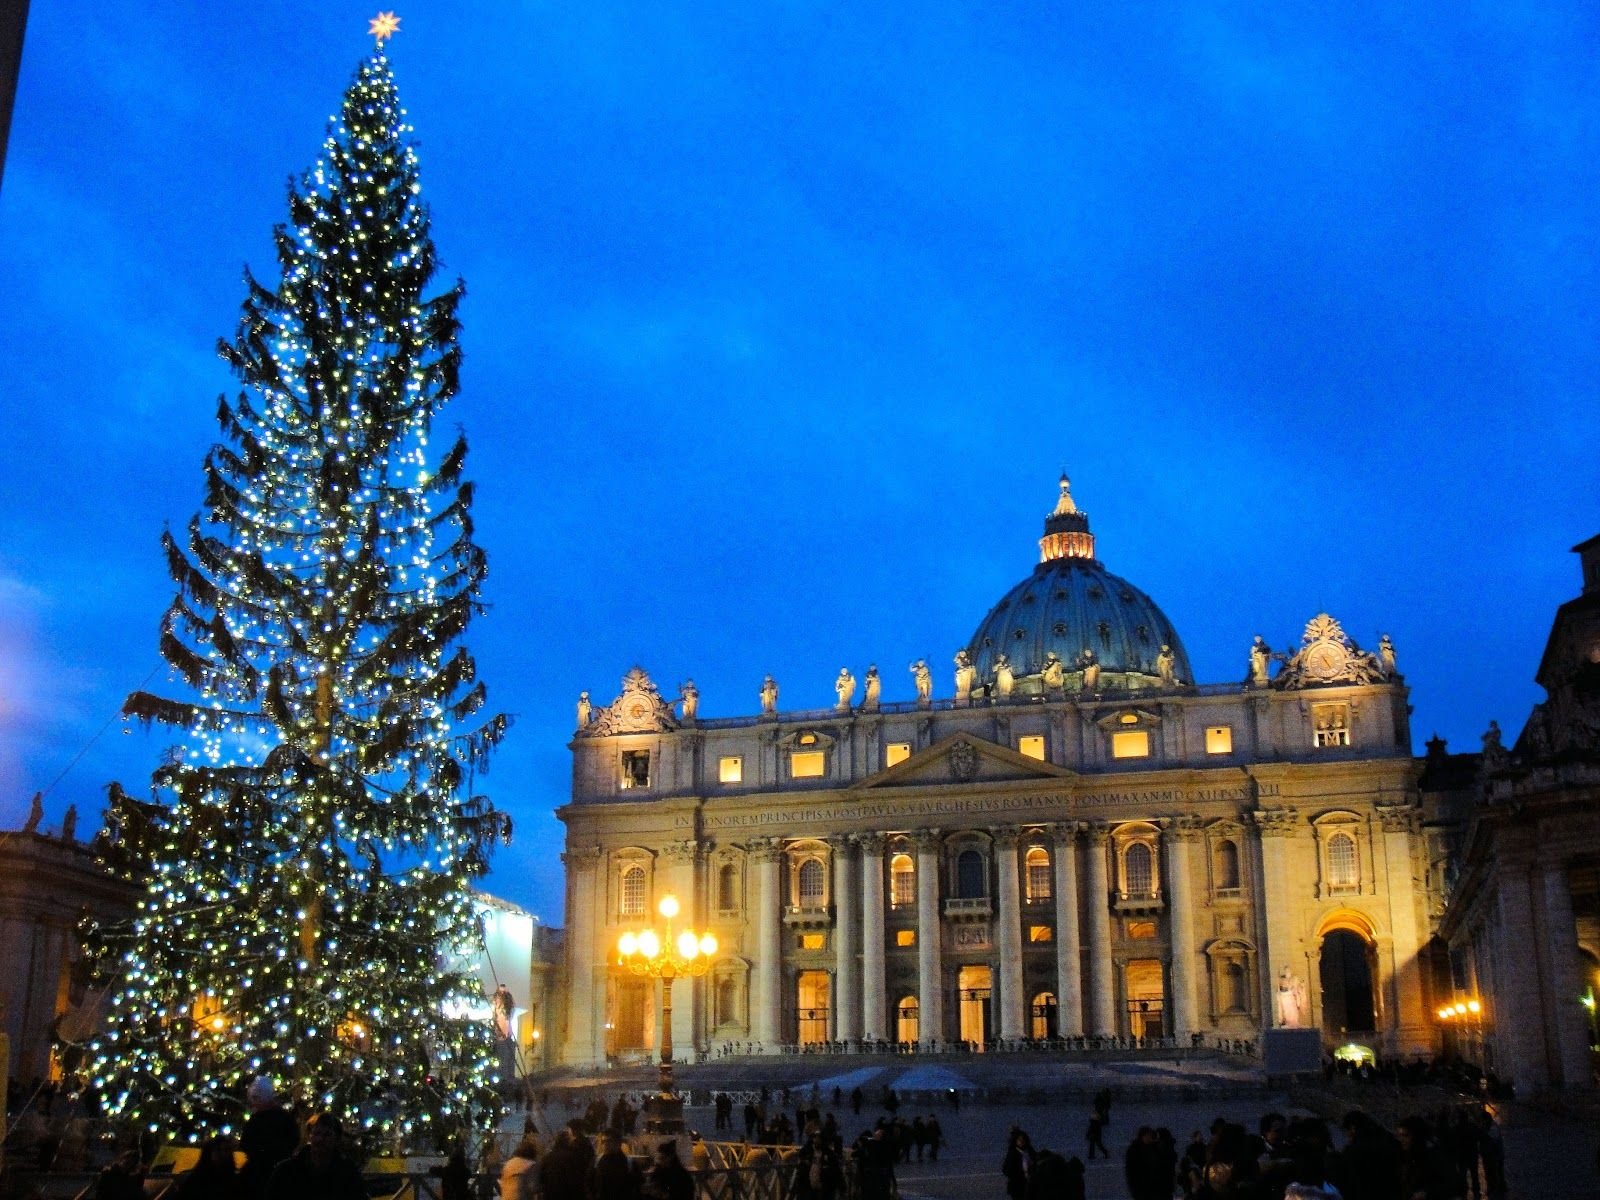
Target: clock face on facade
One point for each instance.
(1324, 661)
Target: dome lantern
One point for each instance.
(1066, 530)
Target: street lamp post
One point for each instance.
(659, 956)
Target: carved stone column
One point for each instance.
(874, 985)
(1519, 1038)
(1275, 827)
(1009, 926)
(1069, 949)
(847, 1004)
(1181, 838)
(930, 941)
(1563, 983)
(767, 1001)
(586, 958)
(1402, 829)
(688, 995)
(1103, 993)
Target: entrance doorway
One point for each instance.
(1345, 972)
(1044, 1016)
(812, 995)
(905, 1029)
(1146, 998)
(629, 1027)
(975, 985)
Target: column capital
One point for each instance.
(843, 843)
(1099, 832)
(926, 840)
(871, 843)
(1400, 818)
(681, 851)
(765, 849)
(1276, 822)
(580, 858)
(1064, 833)
(1186, 827)
(1006, 837)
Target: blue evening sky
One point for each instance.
(783, 318)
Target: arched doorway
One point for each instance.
(1346, 973)
(1044, 1016)
(975, 984)
(813, 990)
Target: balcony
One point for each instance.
(973, 908)
(808, 916)
(1135, 903)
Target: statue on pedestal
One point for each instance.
(966, 676)
(1090, 666)
(1054, 674)
(1167, 666)
(1495, 756)
(1004, 678)
(35, 813)
(1386, 655)
(689, 696)
(845, 688)
(69, 824)
(585, 709)
(869, 701)
(769, 695)
(924, 680)
(1260, 662)
(1292, 1000)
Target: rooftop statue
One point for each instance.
(585, 710)
(1004, 678)
(1386, 656)
(1090, 666)
(1167, 666)
(769, 696)
(1054, 673)
(845, 688)
(966, 676)
(689, 697)
(869, 701)
(35, 813)
(1260, 662)
(924, 680)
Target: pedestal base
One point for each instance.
(663, 1113)
(1288, 1052)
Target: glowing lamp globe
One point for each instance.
(668, 907)
(649, 943)
(628, 944)
(708, 945)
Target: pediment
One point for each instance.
(963, 758)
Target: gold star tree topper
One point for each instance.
(384, 25)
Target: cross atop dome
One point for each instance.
(1066, 530)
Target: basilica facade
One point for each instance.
(1076, 839)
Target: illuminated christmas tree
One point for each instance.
(314, 832)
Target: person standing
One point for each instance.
(1017, 1164)
(668, 1178)
(935, 1136)
(214, 1176)
(519, 1178)
(1097, 1135)
(319, 1170)
(270, 1136)
(614, 1176)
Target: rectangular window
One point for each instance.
(1330, 724)
(730, 769)
(807, 764)
(1040, 933)
(896, 752)
(1141, 929)
(813, 941)
(905, 937)
(1031, 746)
(635, 769)
(1131, 743)
(1219, 739)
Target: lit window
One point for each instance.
(1330, 724)
(905, 937)
(1031, 746)
(902, 881)
(633, 892)
(813, 941)
(1219, 739)
(1141, 929)
(1132, 743)
(1040, 933)
(730, 769)
(1138, 870)
(635, 769)
(896, 752)
(808, 739)
(1344, 870)
(1128, 719)
(807, 764)
(1038, 864)
(809, 883)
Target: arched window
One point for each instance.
(1138, 870)
(1344, 870)
(906, 1013)
(902, 881)
(1227, 866)
(1233, 992)
(1038, 864)
(811, 884)
(727, 888)
(633, 892)
(969, 875)
(725, 1002)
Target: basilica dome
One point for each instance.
(1072, 607)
